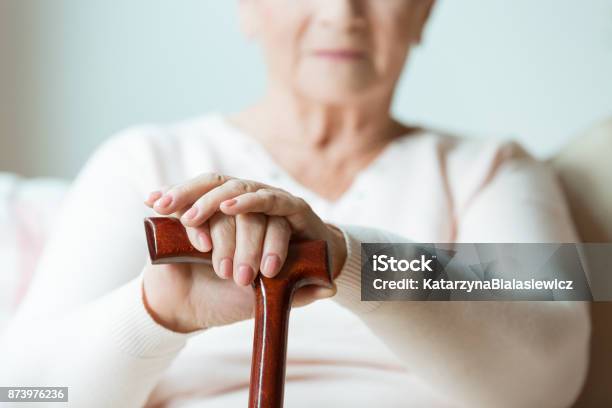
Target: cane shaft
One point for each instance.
(306, 264)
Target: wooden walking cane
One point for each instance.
(306, 264)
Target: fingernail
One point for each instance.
(229, 203)
(189, 215)
(226, 268)
(154, 196)
(271, 265)
(245, 274)
(204, 241)
(164, 201)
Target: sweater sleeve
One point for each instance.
(503, 354)
(83, 323)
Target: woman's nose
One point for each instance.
(342, 14)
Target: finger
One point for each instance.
(223, 235)
(310, 293)
(206, 205)
(200, 237)
(155, 195)
(250, 232)
(271, 201)
(185, 194)
(276, 242)
(178, 213)
(268, 201)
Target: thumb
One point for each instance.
(309, 294)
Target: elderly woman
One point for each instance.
(319, 156)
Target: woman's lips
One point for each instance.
(340, 54)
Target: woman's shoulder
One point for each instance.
(163, 153)
(469, 162)
(463, 153)
(166, 136)
(464, 148)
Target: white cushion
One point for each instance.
(27, 209)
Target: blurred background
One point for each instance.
(74, 72)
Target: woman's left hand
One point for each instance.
(262, 247)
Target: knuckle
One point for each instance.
(269, 197)
(263, 192)
(219, 178)
(281, 190)
(180, 189)
(272, 201)
(248, 186)
(229, 223)
(303, 204)
(213, 177)
(237, 185)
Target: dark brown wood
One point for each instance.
(306, 264)
(168, 242)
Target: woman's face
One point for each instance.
(335, 51)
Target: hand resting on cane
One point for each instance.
(247, 226)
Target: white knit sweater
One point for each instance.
(83, 323)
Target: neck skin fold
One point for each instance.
(282, 116)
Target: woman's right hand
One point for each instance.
(189, 297)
